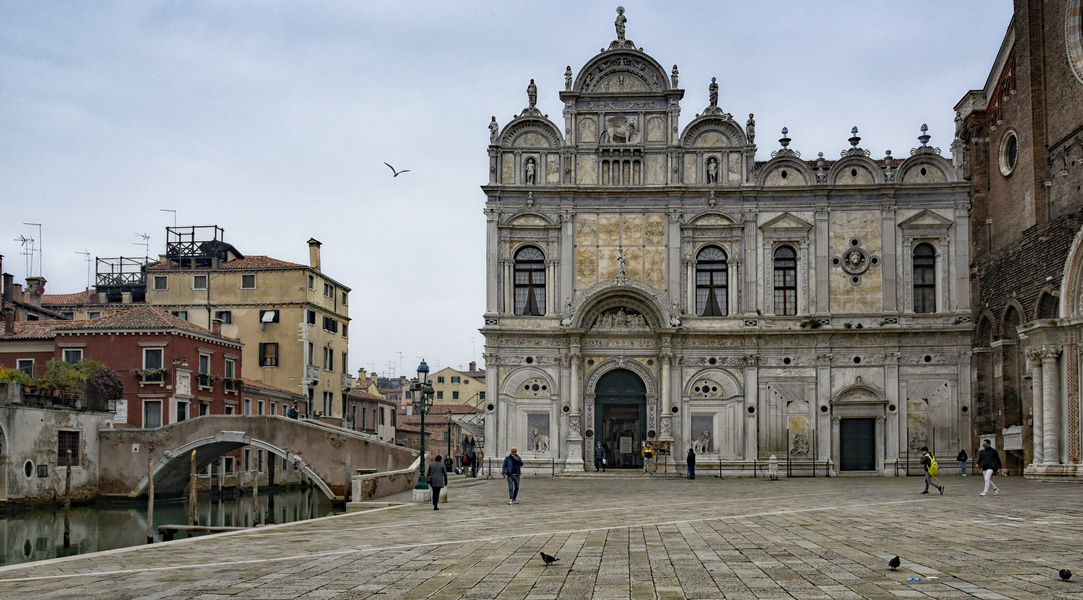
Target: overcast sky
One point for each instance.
(273, 120)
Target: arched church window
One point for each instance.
(785, 281)
(924, 278)
(529, 282)
(712, 276)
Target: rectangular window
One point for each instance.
(383, 415)
(204, 371)
(440, 379)
(274, 408)
(230, 410)
(199, 282)
(225, 316)
(310, 316)
(247, 406)
(328, 403)
(345, 368)
(230, 373)
(204, 409)
(330, 324)
(328, 290)
(268, 354)
(259, 407)
(152, 359)
(344, 333)
(65, 441)
(161, 282)
(439, 395)
(248, 282)
(183, 314)
(73, 355)
(312, 282)
(344, 298)
(93, 314)
(152, 414)
(247, 459)
(26, 365)
(182, 411)
(456, 379)
(311, 353)
(328, 359)
(268, 316)
(481, 395)
(454, 395)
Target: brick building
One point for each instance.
(1022, 140)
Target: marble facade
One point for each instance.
(632, 202)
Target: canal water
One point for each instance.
(34, 534)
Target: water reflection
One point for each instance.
(38, 534)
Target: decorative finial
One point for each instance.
(924, 137)
(854, 140)
(785, 139)
(620, 10)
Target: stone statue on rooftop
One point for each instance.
(750, 128)
(494, 130)
(568, 78)
(532, 94)
(619, 23)
(714, 92)
(673, 76)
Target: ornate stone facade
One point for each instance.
(754, 308)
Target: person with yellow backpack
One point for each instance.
(928, 461)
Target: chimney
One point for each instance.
(314, 253)
(362, 374)
(216, 326)
(9, 283)
(473, 366)
(125, 297)
(35, 287)
(9, 321)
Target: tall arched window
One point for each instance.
(529, 282)
(785, 281)
(711, 277)
(924, 278)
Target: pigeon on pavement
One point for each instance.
(894, 563)
(548, 559)
(1065, 574)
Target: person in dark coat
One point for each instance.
(989, 463)
(437, 478)
(691, 463)
(599, 457)
(962, 458)
(512, 469)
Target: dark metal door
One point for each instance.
(621, 412)
(857, 440)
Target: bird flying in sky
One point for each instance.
(397, 173)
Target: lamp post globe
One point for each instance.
(423, 392)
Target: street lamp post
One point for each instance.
(448, 414)
(423, 393)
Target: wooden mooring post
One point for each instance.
(192, 508)
(67, 503)
(150, 499)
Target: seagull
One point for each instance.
(1065, 574)
(548, 559)
(894, 563)
(397, 173)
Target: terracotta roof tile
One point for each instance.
(78, 298)
(363, 395)
(141, 318)
(248, 263)
(30, 330)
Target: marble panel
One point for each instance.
(609, 230)
(932, 174)
(507, 172)
(586, 267)
(689, 168)
(656, 230)
(552, 168)
(854, 175)
(531, 140)
(733, 167)
(654, 268)
(655, 169)
(656, 129)
(632, 230)
(634, 268)
(588, 130)
(845, 297)
(586, 170)
(586, 230)
(711, 139)
(607, 263)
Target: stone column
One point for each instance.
(1050, 405)
(490, 444)
(750, 247)
(823, 259)
(961, 244)
(509, 286)
(751, 450)
(891, 424)
(574, 449)
(665, 426)
(888, 266)
(492, 262)
(1036, 430)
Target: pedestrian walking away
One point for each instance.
(928, 462)
(691, 464)
(599, 458)
(293, 411)
(962, 458)
(513, 468)
(437, 478)
(989, 463)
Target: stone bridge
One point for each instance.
(322, 452)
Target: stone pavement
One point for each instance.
(623, 536)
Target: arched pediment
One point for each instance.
(859, 393)
(713, 384)
(855, 170)
(926, 168)
(713, 218)
(713, 132)
(531, 132)
(653, 305)
(785, 171)
(627, 364)
(528, 382)
(530, 219)
(624, 71)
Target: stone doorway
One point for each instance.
(857, 440)
(621, 417)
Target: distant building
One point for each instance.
(453, 386)
(371, 413)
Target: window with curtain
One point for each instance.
(785, 281)
(712, 275)
(924, 278)
(529, 282)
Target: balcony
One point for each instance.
(312, 374)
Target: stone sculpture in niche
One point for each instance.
(568, 78)
(531, 171)
(540, 441)
(799, 447)
(702, 443)
(712, 170)
(532, 94)
(494, 130)
(750, 128)
(620, 22)
(619, 129)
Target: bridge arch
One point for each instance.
(172, 472)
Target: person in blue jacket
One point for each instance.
(513, 468)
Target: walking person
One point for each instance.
(437, 478)
(691, 463)
(989, 463)
(928, 462)
(962, 458)
(513, 467)
(599, 458)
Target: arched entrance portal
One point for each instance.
(620, 417)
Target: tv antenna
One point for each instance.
(86, 257)
(145, 244)
(174, 215)
(41, 259)
(27, 252)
